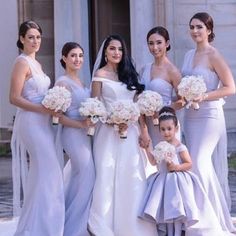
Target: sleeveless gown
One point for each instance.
(203, 129)
(43, 206)
(176, 202)
(79, 171)
(120, 175)
(166, 90)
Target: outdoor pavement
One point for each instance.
(6, 189)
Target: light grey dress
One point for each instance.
(43, 208)
(166, 90)
(80, 179)
(203, 129)
(176, 202)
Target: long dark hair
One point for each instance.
(66, 49)
(161, 31)
(24, 27)
(126, 70)
(208, 22)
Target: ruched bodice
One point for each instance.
(159, 85)
(78, 94)
(37, 85)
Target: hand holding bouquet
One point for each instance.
(191, 88)
(150, 102)
(124, 113)
(57, 99)
(164, 151)
(95, 110)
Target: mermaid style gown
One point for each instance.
(176, 201)
(120, 175)
(80, 180)
(203, 129)
(43, 207)
(166, 90)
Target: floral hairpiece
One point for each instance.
(166, 114)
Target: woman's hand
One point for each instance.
(122, 128)
(171, 166)
(87, 123)
(144, 140)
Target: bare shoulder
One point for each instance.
(173, 71)
(100, 73)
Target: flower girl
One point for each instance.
(175, 199)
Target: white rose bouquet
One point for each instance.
(149, 102)
(57, 99)
(95, 110)
(123, 112)
(164, 151)
(191, 87)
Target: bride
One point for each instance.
(119, 163)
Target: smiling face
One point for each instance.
(157, 45)
(199, 31)
(31, 41)
(74, 59)
(114, 52)
(168, 130)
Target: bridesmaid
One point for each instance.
(77, 145)
(43, 207)
(161, 75)
(205, 127)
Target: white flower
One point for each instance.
(93, 108)
(123, 111)
(192, 87)
(58, 98)
(149, 102)
(164, 151)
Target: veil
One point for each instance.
(98, 58)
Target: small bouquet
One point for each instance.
(191, 87)
(57, 98)
(123, 112)
(149, 102)
(164, 151)
(95, 110)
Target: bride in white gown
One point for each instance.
(43, 206)
(120, 163)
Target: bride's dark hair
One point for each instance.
(126, 70)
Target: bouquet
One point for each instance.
(57, 98)
(164, 151)
(191, 87)
(149, 102)
(95, 110)
(123, 112)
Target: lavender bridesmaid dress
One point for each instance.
(80, 176)
(203, 129)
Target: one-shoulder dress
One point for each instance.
(43, 193)
(204, 132)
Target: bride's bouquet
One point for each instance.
(150, 102)
(123, 112)
(95, 110)
(191, 87)
(57, 99)
(164, 151)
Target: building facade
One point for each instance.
(89, 21)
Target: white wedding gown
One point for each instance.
(120, 175)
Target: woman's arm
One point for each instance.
(185, 165)
(66, 121)
(144, 138)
